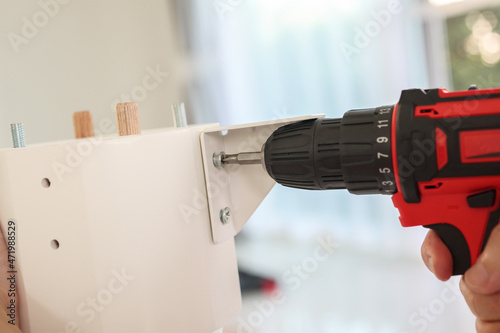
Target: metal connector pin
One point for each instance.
(18, 138)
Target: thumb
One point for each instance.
(484, 276)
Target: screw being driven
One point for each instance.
(221, 159)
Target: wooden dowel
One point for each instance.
(84, 127)
(127, 116)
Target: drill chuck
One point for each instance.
(353, 153)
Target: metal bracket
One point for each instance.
(234, 192)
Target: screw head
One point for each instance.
(225, 215)
(218, 159)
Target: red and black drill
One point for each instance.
(436, 152)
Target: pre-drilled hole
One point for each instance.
(54, 244)
(46, 182)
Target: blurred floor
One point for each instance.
(350, 291)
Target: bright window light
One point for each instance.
(443, 2)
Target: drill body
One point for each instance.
(436, 152)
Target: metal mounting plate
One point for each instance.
(240, 188)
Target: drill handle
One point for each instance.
(458, 244)
(462, 218)
(455, 241)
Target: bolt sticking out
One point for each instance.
(84, 126)
(127, 115)
(179, 114)
(18, 138)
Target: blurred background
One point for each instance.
(240, 61)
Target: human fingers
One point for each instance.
(436, 256)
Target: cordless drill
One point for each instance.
(436, 152)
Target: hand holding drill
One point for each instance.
(437, 153)
(480, 285)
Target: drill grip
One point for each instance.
(455, 241)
